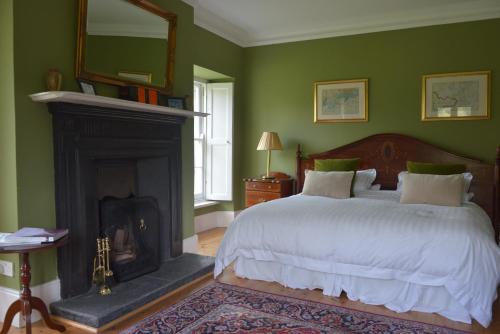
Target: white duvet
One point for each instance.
(375, 237)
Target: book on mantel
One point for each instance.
(31, 235)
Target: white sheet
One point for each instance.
(375, 237)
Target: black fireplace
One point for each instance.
(132, 226)
(118, 175)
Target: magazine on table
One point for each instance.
(31, 236)
(6, 239)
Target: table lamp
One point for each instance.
(269, 141)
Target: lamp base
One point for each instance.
(265, 177)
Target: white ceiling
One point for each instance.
(121, 18)
(261, 22)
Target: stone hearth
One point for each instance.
(94, 310)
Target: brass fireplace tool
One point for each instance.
(101, 266)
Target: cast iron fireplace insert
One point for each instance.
(132, 226)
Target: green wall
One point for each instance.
(279, 90)
(44, 36)
(8, 187)
(112, 54)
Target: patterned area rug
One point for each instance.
(222, 308)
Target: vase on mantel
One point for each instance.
(54, 79)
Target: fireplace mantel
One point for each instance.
(110, 102)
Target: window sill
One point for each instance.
(204, 204)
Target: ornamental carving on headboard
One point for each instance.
(388, 153)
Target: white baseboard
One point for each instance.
(190, 245)
(49, 292)
(214, 219)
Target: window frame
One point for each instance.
(202, 86)
(207, 96)
(219, 140)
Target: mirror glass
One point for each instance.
(126, 41)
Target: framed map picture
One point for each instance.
(341, 101)
(456, 96)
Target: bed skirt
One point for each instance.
(396, 295)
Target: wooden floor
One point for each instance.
(209, 241)
(208, 244)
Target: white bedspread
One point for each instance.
(375, 237)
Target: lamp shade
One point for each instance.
(269, 141)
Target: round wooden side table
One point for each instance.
(26, 303)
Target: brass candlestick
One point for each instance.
(101, 267)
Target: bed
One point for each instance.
(418, 257)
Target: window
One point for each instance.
(199, 141)
(213, 136)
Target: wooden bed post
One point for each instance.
(496, 209)
(298, 173)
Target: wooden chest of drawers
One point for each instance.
(259, 191)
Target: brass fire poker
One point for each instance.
(101, 266)
(107, 248)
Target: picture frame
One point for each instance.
(86, 87)
(176, 102)
(141, 77)
(456, 96)
(341, 101)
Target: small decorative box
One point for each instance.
(139, 94)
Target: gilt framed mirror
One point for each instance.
(126, 42)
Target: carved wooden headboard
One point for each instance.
(388, 153)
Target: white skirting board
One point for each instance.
(190, 244)
(51, 291)
(214, 219)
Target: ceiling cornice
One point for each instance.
(220, 26)
(384, 24)
(217, 25)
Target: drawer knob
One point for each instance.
(268, 187)
(262, 200)
(253, 185)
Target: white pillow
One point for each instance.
(467, 196)
(364, 179)
(446, 190)
(376, 187)
(329, 184)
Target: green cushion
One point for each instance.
(336, 165)
(437, 169)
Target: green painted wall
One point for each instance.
(8, 187)
(44, 36)
(111, 54)
(208, 75)
(278, 92)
